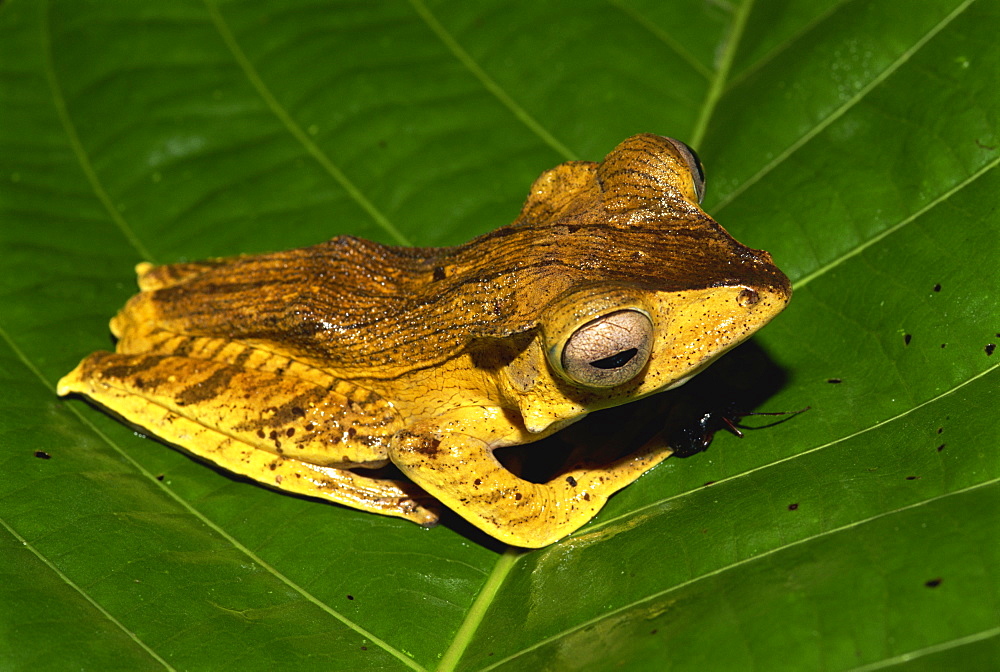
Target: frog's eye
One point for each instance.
(610, 350)
(693, 164)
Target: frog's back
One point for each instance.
(355, 304)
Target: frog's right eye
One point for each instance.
(610, 350)
(693, 165)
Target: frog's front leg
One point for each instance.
(459, 469)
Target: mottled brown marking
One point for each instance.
(242, 358)
(122, 371)
(183, 346)
(418, 443)
(211, 387)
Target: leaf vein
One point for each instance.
(858, 249)
(785, 44)
(474, 618)
(279, 111)
(733, 565)
(769, 465)
(73, 137)
(80, 591)
(920, 653)
(718, 82)
(488, 82)
(843, 109)
(663, 37)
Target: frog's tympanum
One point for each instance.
(303, 369)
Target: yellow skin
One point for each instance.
(301, 369)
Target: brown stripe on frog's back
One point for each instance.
(355, 307)
(156, 277)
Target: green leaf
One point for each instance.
(855, 140)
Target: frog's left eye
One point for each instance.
(693, 164)
(610, 350)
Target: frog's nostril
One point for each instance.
(747, 298)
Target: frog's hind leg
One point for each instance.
(286, 432)
(150, 277)
(400, 499)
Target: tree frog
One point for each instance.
(306, 368)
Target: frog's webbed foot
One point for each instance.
(282, 431)
(463, 473)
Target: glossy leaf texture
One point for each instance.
(855, 140)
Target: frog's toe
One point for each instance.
(421, 508)
(429, 519)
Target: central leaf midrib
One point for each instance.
(717, 83)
